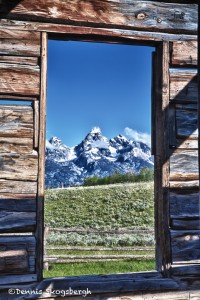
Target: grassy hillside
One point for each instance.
(121, 206)
(118, 206)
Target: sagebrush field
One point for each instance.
(119, 207)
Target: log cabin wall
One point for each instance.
(170, 26)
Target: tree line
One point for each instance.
(145, 174)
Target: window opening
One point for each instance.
(99, 170)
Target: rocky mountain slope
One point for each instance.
(94, 156)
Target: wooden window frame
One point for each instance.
(141, 281)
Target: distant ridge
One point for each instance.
(94, 156)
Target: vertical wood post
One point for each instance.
(41, 150)
(46, 232)
(163, 249)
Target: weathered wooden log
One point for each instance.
(21, 60)
(16, 145)
(18, 187)
(185, 246)
(88, 33)
(24, 43)
(185, 224)
(184, 53)
(186, 123)
(182, 185)
(18, 254)
(11, 221)
(170, 17)
(184, 203)
(19, 167)
(184, 165)
(16, 121)
(18, 204)
(19, 79)
(187, 143)
(183, 85)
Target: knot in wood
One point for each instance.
(159, 20)
(141, 16)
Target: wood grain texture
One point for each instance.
(16, 145)
(183, 85)
(184, 165)
(182, 185)
(24, 43)
(185, 246)
(18, 187)
(186, 123)
(16, 121)
(185, 224)
(11, 221)
(19, 79)
(41, 150)
(9, 59)
(19, 166)
(162, 160)
(184, 203)
(184, 53)
(89, 32)
(187, 143)
(17, 255)
(157, 16)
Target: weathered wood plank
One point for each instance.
(185, 246)
(19, 167)
(24, 43)
(16, 121)
(16, 254)
(11, 221)
(187, 143)
(186, 123)
(183, 85)
(185, 224)
(88, 33)
(19, 203)
(184, 165)
(157, 16)
(162, 159)
(104, 284)
(36, 123)
(184, 203)
(31, 61)
(16, 145)
(11, 279)
(18, 187)
(19, 79)
(192, 184)
(41, 150)
(184, 53)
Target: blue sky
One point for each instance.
(96, 84)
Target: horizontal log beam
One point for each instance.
(24, 43)
(18, 255)
(184, 203)
(16, 121)
(17, 187)
(89, 33)
(185, 246)
(168, 17)
(184, 165)
(19, 79)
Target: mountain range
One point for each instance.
(94, 156)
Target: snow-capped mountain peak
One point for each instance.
(94, 156)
